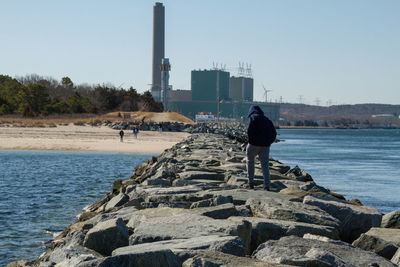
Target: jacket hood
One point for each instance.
(255, 110)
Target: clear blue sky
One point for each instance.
(343, 51)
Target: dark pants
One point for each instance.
(263, 155)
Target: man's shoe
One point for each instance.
(248, 186)
(267, 188)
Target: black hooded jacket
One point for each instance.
(261, 131)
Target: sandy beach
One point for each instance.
(86, 138)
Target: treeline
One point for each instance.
(34, 95)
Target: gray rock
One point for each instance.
(107, 236)
(354, 219)
(211, 201)
(298, 174)
(134, 202)
(396, 258)
(244, 211)
(240, 196)
(217, 212)
(170, 190)
(191, 175)
(80, 260)
(383, 241)
(117, 201)
(124, 213)
(234, 166)
(391, 220)
(70, 252)
(214, 258)
(324, 257)
(237, 180)
(279, 167)
(313, 186)
(157, 182)
(227, 244)
(274, 208)
(299, 251)
(267, 229)
(187, 226)
(138, 256)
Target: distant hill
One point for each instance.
(359, 112)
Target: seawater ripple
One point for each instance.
(41, 192)
(358, 163)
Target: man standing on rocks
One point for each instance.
(261, 134)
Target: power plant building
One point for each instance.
(241, 88)
(209, 85)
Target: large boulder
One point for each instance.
(70, 251)
(186, 247)
(354, 219)
(116, 201)
(391, 220)
(316, 251)
(280, 209)
(383, 241)
(187, 226)
(267, 229)
(107, 236)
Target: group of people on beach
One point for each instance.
(135, 132)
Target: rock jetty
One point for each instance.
(187, 207)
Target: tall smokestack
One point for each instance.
(158, 48)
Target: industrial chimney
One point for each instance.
(165, 68)
(158, 49)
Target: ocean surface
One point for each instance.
(41, 192)
(357, 163)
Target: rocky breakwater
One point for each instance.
(187, 208)
(233, 130)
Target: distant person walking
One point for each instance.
(261, 134)
(121, 135)
(135, 132)
(160, 127)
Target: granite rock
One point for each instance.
(391, 220)
(300, 251)
(354, 219)
(107, 236)
(274, 208)
(383, 241)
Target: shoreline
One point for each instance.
(86, 138)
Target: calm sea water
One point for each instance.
(363, 164)
(41, 192)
